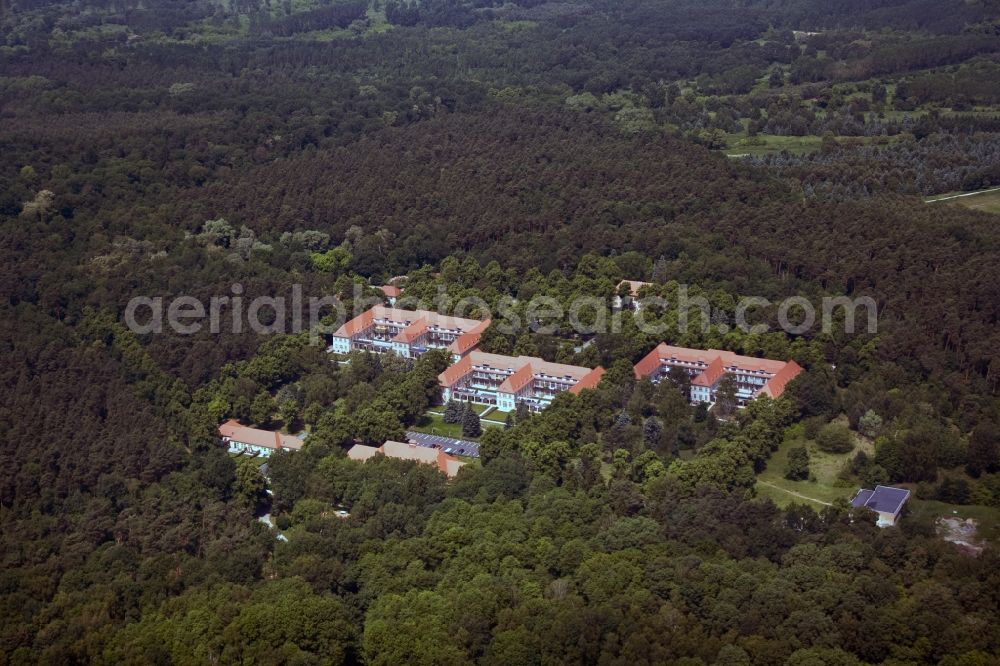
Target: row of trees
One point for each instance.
(465, 415)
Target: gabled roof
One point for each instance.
(517, 381)
(361, 452)
(412, 332)
(781, 372)
(776, 385)
(421, 319)
(454, 373)
(649, 364)
(884, 499)
(469, 339)
(591, 380)
(235, 431)
(356, 325)
(515, 365)
(710, 375)
(408, 451)
(634, 286)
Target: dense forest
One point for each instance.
(494, 150)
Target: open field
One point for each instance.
(822, 466)
(766, 144)
(822, 491)
(987, 201)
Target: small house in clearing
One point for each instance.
(886, 501)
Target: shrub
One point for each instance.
(798, 464)
(834, 438)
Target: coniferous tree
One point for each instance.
(453, 412)
(652, 429)
(471, 427)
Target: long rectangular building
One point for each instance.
(507, 381)
(408, 333)
(242, 439)
(408, 451)
(753, 376)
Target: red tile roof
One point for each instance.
(776, 385)
(634, 286)
(710, 375)
(469, 339)
(410, 451)
(592, 379)
(357, 325)
(719, 361)
(517, 381)
(649, 364)
(391, 290)
(522, 369)
(412, 332)
(235, 431)
(453, 374)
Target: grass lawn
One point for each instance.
(433, 424)
(822, 466)
(987, 201)
(736, 146)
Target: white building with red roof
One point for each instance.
(408, 333)
(242, 439)
(634, 287)
(507, 381)
(447, 464)
(391, 293)
(752, 376)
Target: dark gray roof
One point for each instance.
(861, 498)
(885, 499)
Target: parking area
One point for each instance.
(457, 447)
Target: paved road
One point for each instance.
(459, 447)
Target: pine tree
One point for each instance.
(508, 422)
(652, 429)
(471, 427)
(453, 412)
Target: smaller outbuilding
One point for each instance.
(886, 501)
